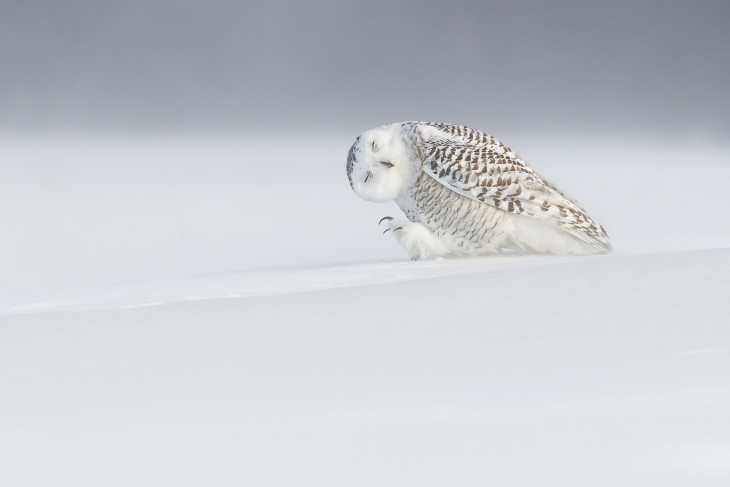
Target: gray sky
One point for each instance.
(220, 63)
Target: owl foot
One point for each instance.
(416, 239)
(392, 224)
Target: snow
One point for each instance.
(208, 311)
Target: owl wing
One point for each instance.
(480, 167)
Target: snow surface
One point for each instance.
(192, 311)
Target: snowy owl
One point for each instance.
(465, 194)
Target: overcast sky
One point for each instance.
(218, 63)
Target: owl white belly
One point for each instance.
(464, 225)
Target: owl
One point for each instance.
(464, 193)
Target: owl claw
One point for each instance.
(393, 229)
(385, 218)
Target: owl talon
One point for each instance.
(385, 218)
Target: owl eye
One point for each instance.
(374, 146)
(387, 164)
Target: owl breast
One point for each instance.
(469, 225)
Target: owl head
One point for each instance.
(379, 164)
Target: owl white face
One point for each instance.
(378, 164)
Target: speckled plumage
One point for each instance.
(471, 192)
